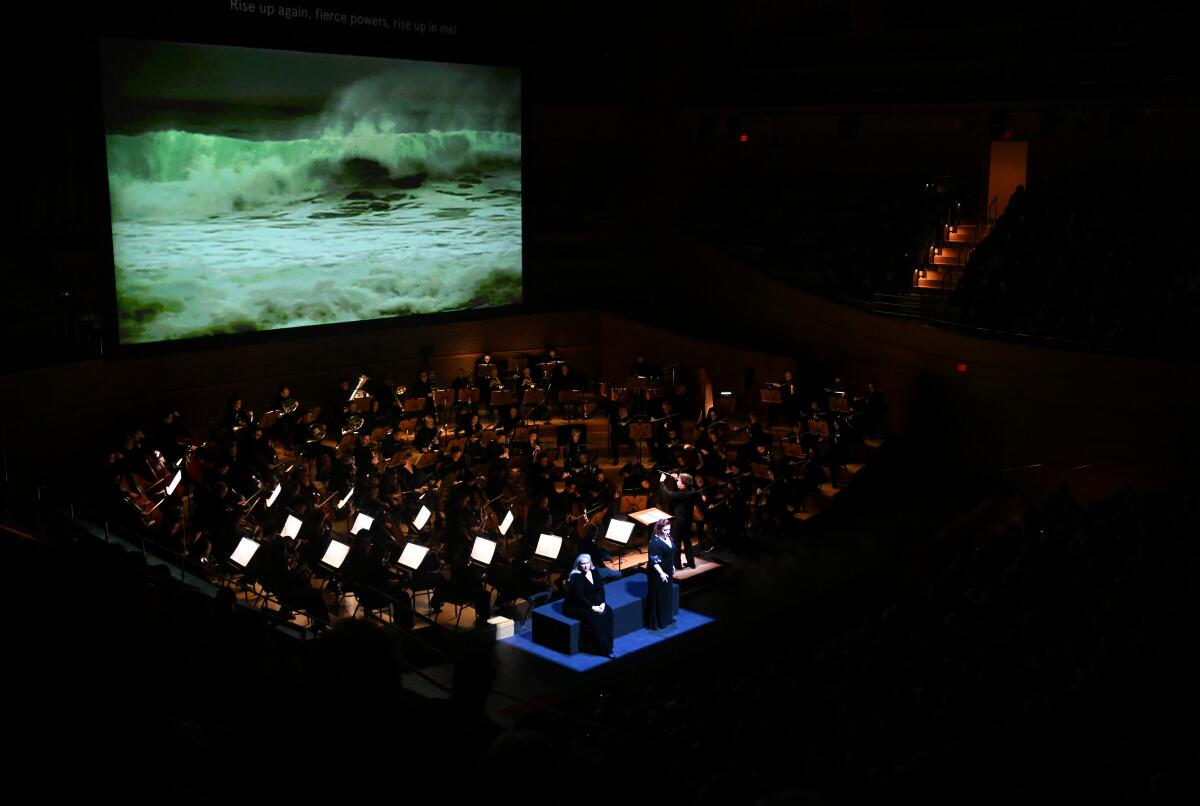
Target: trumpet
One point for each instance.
(362, 380)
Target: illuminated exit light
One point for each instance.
(962, 367)
(743, 138)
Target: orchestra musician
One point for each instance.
(237, 417)
(498, 448)
(568, 379)
(426, 438)
(509, 420)
(642, 369)
(487, 374)
(790, 393)
(423, 388)
(664, 424)
(618, 433)
(573, 448)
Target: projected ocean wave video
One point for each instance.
(256, 190)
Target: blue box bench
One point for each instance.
(625, 596)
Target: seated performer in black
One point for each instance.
(660, 568)
(585, 602)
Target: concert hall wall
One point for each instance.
(1014, 405)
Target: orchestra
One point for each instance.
(442, 466)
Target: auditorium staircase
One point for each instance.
(938, 275)
(947, 258)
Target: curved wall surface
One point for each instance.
(1014, 406)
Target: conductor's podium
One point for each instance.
(625, 596)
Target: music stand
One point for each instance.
(360, 404)
(274, 494)
(482, 551)
(414, 404)
(640, 432)
(793, 449)
(179, 477)
(244, 552)
(426, 459)
(291, 527)
(335, 555)
(619, 532)
(650, 516)
(503, 398)
(412, 556)
(839, 405)
(346, 500)
(468, 395)
(548, 547)
(443, 397)
(507, 523)
(422, 518)
(771, 395)
(361, 523)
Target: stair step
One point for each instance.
(899, 302)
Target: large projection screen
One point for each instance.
(259, 189)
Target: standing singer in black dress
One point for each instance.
(660, 568)
(585, 602)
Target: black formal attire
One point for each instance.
(658, 593)
(618, 435)
(680, 503)
(790, 394)
(596, 629)
(425, 437)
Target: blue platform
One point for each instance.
(627, 644)
(626, 597)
